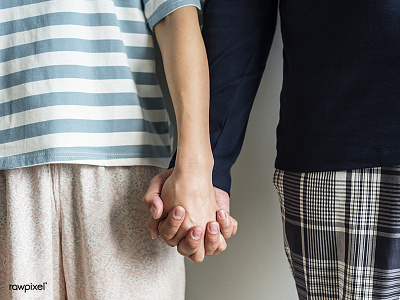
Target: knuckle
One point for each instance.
(226, 229)
(192, 244)
(211, 248)
(180, 250)
(197, 259)
(227, 222)
(224, 225)
(227, 234)
(167, 237)
(167, 234)
(214, 245)
(183, 251)
(222, 247)
(212, 242)
(170, 242)
(210, 253)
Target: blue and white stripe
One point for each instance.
(78, 84)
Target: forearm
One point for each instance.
(186, 69)
(238, 37)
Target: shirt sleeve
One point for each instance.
(156, 10)
(238, 36)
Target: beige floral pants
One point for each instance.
(79, 232)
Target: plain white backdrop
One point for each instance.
(254, 266)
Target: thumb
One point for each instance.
(222, 199)
(157, 207)
(152, 200)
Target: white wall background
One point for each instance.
(254, 266)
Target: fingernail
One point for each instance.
(196, 234)
(153, 211)
(153, 237)
(213, 228)
(178, 213)
(222, 214)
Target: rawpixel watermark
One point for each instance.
(27, 287)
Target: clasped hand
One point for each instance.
(189, 213)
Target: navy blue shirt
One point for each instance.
(340, 100)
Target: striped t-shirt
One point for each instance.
(78, 83)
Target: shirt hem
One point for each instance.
(361, 160)
(107, 162)
(169, 7)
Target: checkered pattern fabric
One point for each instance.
(342, 232)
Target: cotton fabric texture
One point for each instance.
(78, 84)
(82, 230)
(83, 129)
(342, 232)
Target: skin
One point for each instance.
(189, 185)
(225, 227)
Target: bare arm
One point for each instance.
(186, 68)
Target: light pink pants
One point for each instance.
(79, 232)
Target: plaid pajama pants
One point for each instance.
(342, 232)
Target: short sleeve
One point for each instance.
(156, 10)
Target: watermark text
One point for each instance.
(27, 287)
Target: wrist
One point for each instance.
(201, 160)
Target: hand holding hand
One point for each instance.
(168, 227)
(191, 188)
(214, 242)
